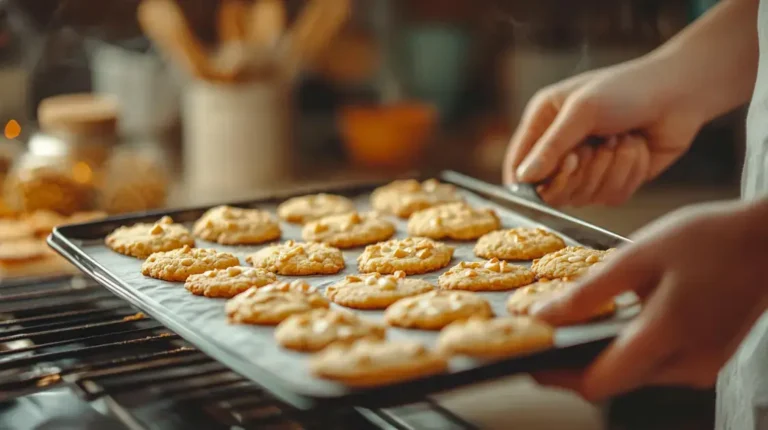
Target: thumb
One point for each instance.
(571, 127)
(631, 269)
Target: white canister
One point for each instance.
(236, 139)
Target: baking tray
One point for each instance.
(251, 350)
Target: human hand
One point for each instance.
(699, 273)
(651, 125)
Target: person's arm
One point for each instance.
(666, 95)
(713, 62)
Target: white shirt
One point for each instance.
(742, 387)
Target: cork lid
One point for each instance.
(88, 114)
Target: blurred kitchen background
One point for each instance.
(402, 85)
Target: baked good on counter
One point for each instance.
(412, 255)
(142, 239)
(179, 264)
(370, 362)
(298, 258)
(522, 243)
(404, 197)
(495, 338)
(229, 225)
(303, 209)
(228, 282)
(348, 230)
(520, 302)
(436, 309)
(457, 221)
(316, 329)
(271, 304)
(491, 275)
(31, 257)
(568, 262)
(374, 290)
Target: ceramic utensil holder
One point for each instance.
(236, 138)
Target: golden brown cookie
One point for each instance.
(315, 330)
(491, 275)
(374, 290)
(179, 264)
(229, 225)
(228, 282)
(520, 302)
(568, 262)
(12, 229)
(273, 303)
(141, 240)
(436, 309)
(457, 221)
(413, 255)
(520, 243)
(404, 197)
(44, 221)
(348, 230)
(31, 257)
(369, 362)
(495, 338)
(303, 209)
(298, 259)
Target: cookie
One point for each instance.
(272, 304)
(141, 240)
(315, 330)
(44, 221)
(520, 302)
(491, 275)
(348, 230)
(568, 262)
(404, 197)
(457, 221)
(228, 225)
(413, 255)
(303, 209)
(436, 309)
(296, 259)
(179, 264)
(31, 257)
(495, 338)
(375, 291)
(370, 362)
(520, 243)
(11, 229)
(228, 282)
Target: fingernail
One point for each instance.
(527, 170)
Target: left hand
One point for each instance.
(700, 274)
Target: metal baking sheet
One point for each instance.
(252, 351)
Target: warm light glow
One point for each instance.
(82, 173)
(12, 129)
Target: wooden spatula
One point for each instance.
(164, 22)
(232, 21)
(266, 23)
(318, 23)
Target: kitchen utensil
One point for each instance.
(232, 21)
(266, 23)
(163, 21)
(318, 23)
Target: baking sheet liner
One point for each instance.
(256, 344)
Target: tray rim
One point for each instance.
(61, 240)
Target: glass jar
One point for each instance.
(63, 167)
(135, 180)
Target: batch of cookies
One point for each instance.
(23, 251)
(349, 348)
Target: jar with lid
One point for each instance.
(135, 179)
(63, 166)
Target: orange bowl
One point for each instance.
(392, 136)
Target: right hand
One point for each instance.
(634, 102)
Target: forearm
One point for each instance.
(711, 66)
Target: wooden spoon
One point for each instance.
(318, 23)
(232, 21)
(266, 23)
(164, 22)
